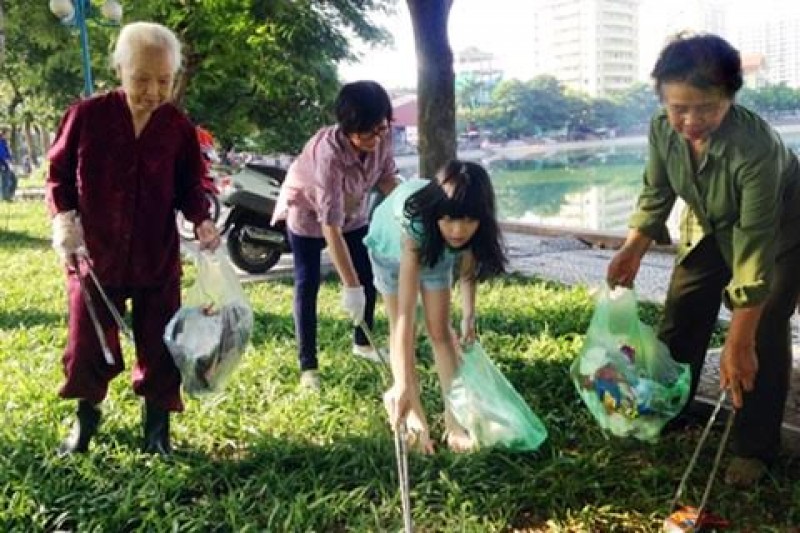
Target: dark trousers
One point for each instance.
(8, 181)
(155, 376)
(693, 301)
(307, 256)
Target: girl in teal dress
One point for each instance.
(421, 231)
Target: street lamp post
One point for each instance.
(76, 13)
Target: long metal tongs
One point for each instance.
(400, 447)
(717, 459)
(87, 299)
(123, 327)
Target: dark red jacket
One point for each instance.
(126, 189)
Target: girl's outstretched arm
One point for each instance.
(402, 341)
(467, 270)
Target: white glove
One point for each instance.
(68, 235)
(354, 302)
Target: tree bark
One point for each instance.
(2, 34)
(33, 148)
(436, 110)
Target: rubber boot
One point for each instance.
(156, 430)
(83, 429)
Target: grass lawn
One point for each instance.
(269, 457)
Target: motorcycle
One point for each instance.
(254, 245)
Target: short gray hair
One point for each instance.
(142, 35)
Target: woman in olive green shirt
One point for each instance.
(739, 242)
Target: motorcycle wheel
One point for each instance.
(253, 259)
(186, 228)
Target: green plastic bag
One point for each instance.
(486, 405)
(624, 374)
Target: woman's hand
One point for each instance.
(625, 264)
(207, 235)
(738, 364)
(623, 267)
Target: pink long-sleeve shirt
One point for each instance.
(126, 188)
(328, 183)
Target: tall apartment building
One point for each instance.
(659, 21)
(474, 66)
(592, 46)
(774, 33)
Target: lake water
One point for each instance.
(588, 188)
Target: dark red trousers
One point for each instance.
(155, 376)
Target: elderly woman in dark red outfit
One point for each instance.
(122, 162)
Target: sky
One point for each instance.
(502, 27)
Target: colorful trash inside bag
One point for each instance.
(209, 334)
(486, 405)
(624, 374)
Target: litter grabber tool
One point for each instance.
(401, 455)
(686, 519)
(111, 307)
(87, 298)
(400, 450)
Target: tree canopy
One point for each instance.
(257, 70)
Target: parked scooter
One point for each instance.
(254, 245)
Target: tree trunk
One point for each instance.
(33, 148)
(2, 34)
(436, 109)
(44, 138)
(190, 63)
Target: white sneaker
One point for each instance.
(309, 379)
(369, 353)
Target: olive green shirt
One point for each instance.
(745, 192)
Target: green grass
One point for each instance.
(268, 457)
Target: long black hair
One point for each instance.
(472, 197)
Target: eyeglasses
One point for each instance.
(378, 131)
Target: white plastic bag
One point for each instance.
(209, 334)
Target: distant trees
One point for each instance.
(772, 101)
(543, 106)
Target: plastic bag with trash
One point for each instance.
(624, 374)
(488, 406)
(209, 334)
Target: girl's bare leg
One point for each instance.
(446, 356)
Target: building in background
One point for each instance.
(405, 134)
(476, 69)
(592, 46)
(771, 29)
(660, 21)
(754, 69)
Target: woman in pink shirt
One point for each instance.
(324, 203)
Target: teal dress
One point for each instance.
(384, 241)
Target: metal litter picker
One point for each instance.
(400, 447)
(87, 299)
(687, 519)
(111, 307)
